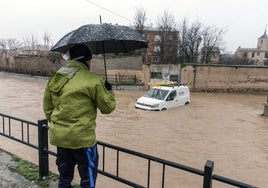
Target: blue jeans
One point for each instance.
(87, 161)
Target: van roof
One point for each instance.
(169, 87)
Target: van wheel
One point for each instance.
(163, 109)
(187, 103)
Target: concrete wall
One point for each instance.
(31, 63)
(226, 78)
(132, 66)
(123, 66)
(170, 69)
(123, 63)
(208, 78)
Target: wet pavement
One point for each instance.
(9, 179)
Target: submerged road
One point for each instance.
(228, 129)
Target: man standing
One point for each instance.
(71, 99)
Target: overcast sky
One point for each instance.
(245, 20)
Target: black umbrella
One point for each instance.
(102, 38)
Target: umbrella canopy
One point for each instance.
(102, 38)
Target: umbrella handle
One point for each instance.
(104, 59)
(103, 50)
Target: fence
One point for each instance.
(28, 72)
(119, 78)
(112, 78)
(10, 123)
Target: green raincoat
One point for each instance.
(71, 99)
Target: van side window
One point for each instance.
(172, 95)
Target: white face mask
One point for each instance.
(66, 56)
(78, 58)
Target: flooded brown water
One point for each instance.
(225, 128)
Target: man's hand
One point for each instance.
(108, 85)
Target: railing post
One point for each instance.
(43, 148)
(208, 170)
(265, 112)
(116, 82)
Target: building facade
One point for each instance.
(259, 55)
(152, 54)
(162, 46)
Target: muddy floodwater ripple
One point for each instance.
(228, 129)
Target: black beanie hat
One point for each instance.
(80, 52)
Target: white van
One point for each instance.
(164, 97)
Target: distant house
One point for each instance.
(153, 36)
(156, 52)
(37, 50)
(259, 55)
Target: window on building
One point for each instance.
(157, 49)
(258, 53)
(261, 41)
(245, 55)
(174, 77)
(155, 59)
(156, 74)
(266, 55)
(157, 38)
(252, 54)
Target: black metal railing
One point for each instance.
(17, 129)
(10, 123)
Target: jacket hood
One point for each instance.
(61, 77)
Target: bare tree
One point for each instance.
(140, 19)
(194, 40)
(47, 41)
(10, 44)
(198, 42)
(212, 42)
(183, 42)
(189, 41)
(13, 44)
(3, 45)
(31, 42)
(169, 38)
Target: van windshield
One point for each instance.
(155, 93)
